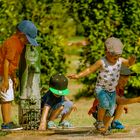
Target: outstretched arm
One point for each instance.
(5, 84)
(124, 101)
(87, 71)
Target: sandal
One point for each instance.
(51, 125)
(65, 124)
(106, 133)
(117, 125)
(99, 126)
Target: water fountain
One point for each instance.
(29, 108)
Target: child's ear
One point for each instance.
(105, 49)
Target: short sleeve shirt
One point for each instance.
(11, 50)
(49, 99)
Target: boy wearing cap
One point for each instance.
(121, 100)
(107, 80)
(54, 103)
(10, 52)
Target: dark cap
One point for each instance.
(58, 84)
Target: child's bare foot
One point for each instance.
(42, 126)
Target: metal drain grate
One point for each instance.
(30, 118)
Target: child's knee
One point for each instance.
(110, 112)
(104, 105)
(61, 108)
(68, 105)
(72, 108)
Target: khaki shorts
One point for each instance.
(9, 94)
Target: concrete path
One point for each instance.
(131, 133)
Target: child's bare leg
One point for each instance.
(101, 113)
(6, 112)
(118, 112)
(65, 116)
(107, 121)
(100, 117)
(44, 116)
(55, 113)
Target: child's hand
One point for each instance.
(15, 83)
(73, 76)
(132, 60)
(91, 111)
(74, 108)
(126, 109)
(42, 126)
(4, 86)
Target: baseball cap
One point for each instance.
(58, 84)
(30, 30)
(114, 45)
(126, 71)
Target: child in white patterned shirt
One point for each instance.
(109, 73)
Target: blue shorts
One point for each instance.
(67, 107)
(107, 100)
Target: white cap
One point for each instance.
(114, 45)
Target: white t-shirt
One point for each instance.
(109, 75)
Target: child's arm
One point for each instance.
(5, 84)
(43, 121)
(125, 101)
(130, 61)
(87, 71)
(15, 80)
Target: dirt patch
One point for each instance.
(131, 132)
